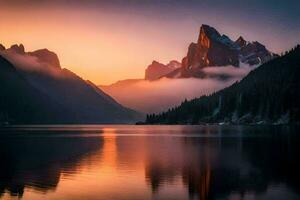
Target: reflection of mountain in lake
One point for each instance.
(157, 162)
(39, 162)
(212, 168)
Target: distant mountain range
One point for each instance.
(205, 59)
(34, 89)
(268, 94)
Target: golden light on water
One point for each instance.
(121, 162)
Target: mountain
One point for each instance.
(157, 70)
(46, 56)
(268, 94)
(214, 49)
(19, 49)
(255, 53)
(35, 89)
(211, 50)
(212, 63)
(22, 103)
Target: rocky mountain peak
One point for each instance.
(46, 56)
(43, 55)
(255, 53)
(215, 49)
(2, 47)
(241, 42)
(17, 48)
(212, 49)
(156, 70)
(155, 63)
(207, 33)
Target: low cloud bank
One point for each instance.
(157, 96)
(230, 71)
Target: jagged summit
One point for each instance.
(43, 55)
(215, 49)
(156, 70)
(20, 49)
(209, 32)
(212, 49)
(255, 53)
(46, 56)
(241, 42)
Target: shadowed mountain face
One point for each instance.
(21, 102)
(268, 94)
(35, 89)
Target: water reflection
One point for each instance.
(38, 162)
(129, 162)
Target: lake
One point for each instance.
(109, 162)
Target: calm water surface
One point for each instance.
(149, 162)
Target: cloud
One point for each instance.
(28, 63)
(160, 95)
(229, 71)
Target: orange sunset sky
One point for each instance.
(109, 42)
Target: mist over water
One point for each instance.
(160, 95)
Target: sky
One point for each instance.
(107, 41)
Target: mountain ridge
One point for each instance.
(74, 100)
(249, 101)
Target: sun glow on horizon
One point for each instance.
(98, 50)
(107, 44)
